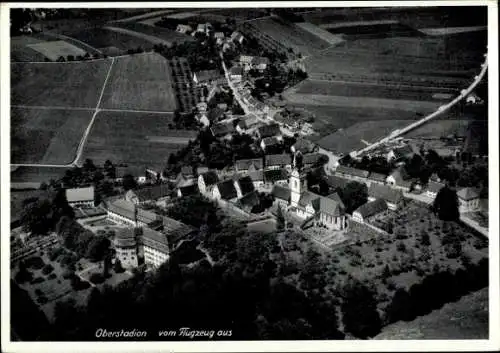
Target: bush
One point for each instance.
(37, 280)
(96, 278)
(35, 262)
(52, 276)
(38, 292)
(55, 252)
(42, 300)
(23, 275)
(47, 269)
(401, 247)
(68, 274)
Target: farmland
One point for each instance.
(21, 51)
(140, 82)
(54, 49)
(31, 177)
(46, 136)
(137, 139)
(75, 84)
(163, 34)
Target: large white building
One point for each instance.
(126, 248)
(155, 246)
(81, 196)
(468, 199)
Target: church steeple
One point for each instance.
(298, 184)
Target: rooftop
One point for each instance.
(269, 130)
(277, 159)
(352, 171)
(385, 192)
(281, 192)
(468, 194)
(210, 178)
(80, 194)
(275, 175)
(227, 190)
(244, 164)
(372, 208)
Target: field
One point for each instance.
(58, 84)
(102, 39)
(140, 82)
(46, 136)
(163, 34)
(137, 139)
(31, 177)
(20, 50)
(54, 49)
(291, 35)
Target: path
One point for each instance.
(79, 151)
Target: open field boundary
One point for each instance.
(70, 39)
(149, 38)
(442, 109)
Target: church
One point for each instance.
(326, 210)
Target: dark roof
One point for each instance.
(270, 141)
(125, 238)
(330, 206)
(385, 192)
(352, 171)
(248, 121)
(123, 208)
(277, 159)
(403, 151)
(175, 230)
(257, 60)
(187, 170)
(146, 216)
(281, 193)
(303, 145)
(257, 175)
(307, 197)
(222, 129)
(467, 194)
(336, 198)
(248, 201)
(236, 70)
(152, 192)
(207, 75)
(372, 208)
(155, 239)
(215, 113)
(210, 178)
(275, 175)
(189, 189)
(135, 171)
(334, 181)
(227, 190)
(377, 177)
(400, 175)
(269, 130)
(434, 187)
(313, 158)
(244, 164)
(246, 185)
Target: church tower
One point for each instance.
(298, 184)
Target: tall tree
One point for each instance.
(353, 195)
(446, 204)
(280, 219)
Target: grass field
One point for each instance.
(20, 50)
(31, 176)
(102, 38)
(46, 136)
(140, 82)
(136, 139)
(54, 49)
(158, 32)
(58, 84)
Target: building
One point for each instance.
(77, 197)
(219, 37)
(352, 173)
(400, 179)
(237, 37)
(155, 246)
(247, 123)
(138, 173)
(155, 193)
(278, 161)
(377, 178)
(400, 153)
(369, 209)
(260, 63)
(248, 202)
(393, 198)
(223, 130)
(246, 61)
(185, 29)
(202, 119)
(125, 212)
(276, 177)
(236, 74)
(270, 143)
(187, 190)
(335, 182)
(207, 181)
(243, 185)
(177, 232)
(225, 190)
(433, 189)
(257, 178)
(249, 165)
(125, 245)
(206, 77)
(216, 113)
(281, 195)
(468, 199)
(270, 130)
(303, 146)
(204, 28)
(310, 160)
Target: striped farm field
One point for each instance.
(137, 139)
(46, 136)
(70, 84)
(140, 82)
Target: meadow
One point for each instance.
(158, 32)
(70, 84)
(46, 136)
(20, 50)
(31, 177)
(140, 82)
(136, 139)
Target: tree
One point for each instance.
(353, 195)
(280, 219)
(446, 205)
(118, 268)
(129, 182)
(98, 248)
(36, 217)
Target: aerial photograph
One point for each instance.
(248, 174)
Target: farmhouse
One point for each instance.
(153, 193)
(249, 165)
(206, 77)
(126, 247)
(246, 61)
(223, 130)
(352, 173)
(278, 161)
(249, 201)
(176, 232)
(276, 176)
(270, 130)
(281, 195)
(225, 190)
(433, 189)
(400, 179)
(377, 178)
(187, 190)
(400, 153)
(468, 199)
(257, 178)
(216, 114)
(236, 74)
(246, 123)
(335, 182)
(260, 63)
(185, 29)
(81, 196)
(207, 181)
(269, 142)
(237, 37)
(393, 198)
(243, 185)
(139, 174)
(310, 160)
(303, 146)
(369, 209)
(155, 246)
